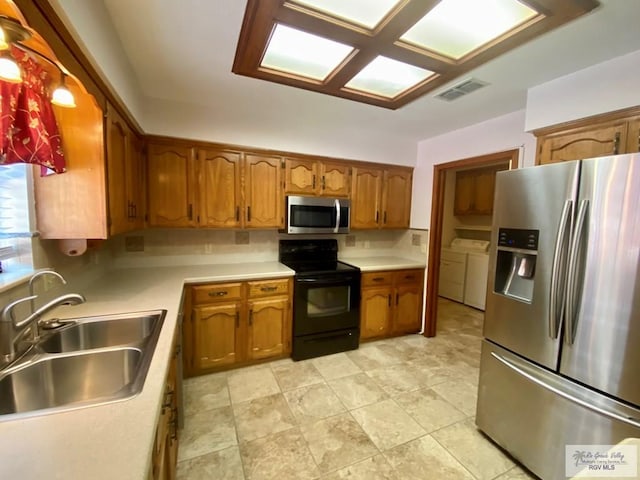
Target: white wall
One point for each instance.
(86, 20)
(605, 87)
(495, 135)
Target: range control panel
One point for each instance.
(518, 238)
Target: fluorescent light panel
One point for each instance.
(366, 13)
(303, 54)
(387, 77)
(456, 27)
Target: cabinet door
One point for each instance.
(219, 183)
(375, 312)
(300, 177)
(464, 193)
(334, 180)
(117, 153)
(264, 199)
(171, 181)
(216, 335)
(596, 141)
(396, 199)
(136, 184)
(366, 189)
(633, 136)
(485, 182)
(408, 309)
(267, 320)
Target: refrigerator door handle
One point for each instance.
(573, 280)
(559, 257)
(539, 380)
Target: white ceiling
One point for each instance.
(183, 51)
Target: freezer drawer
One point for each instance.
(534, 423)
(453, 267)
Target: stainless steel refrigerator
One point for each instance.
(560, 359)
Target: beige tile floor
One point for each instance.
(398, 409)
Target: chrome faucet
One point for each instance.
(12, 331)
(37, 275)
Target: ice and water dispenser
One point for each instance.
(517, 252)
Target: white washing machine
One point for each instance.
(463, 272)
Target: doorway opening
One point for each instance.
(510, 158)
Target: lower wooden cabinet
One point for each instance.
(232, 324)
(165, 449)
(391, 303)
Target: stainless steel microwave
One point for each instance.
(318, 215)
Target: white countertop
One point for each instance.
(113, 441)
(372, 264)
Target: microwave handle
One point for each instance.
(337, 203)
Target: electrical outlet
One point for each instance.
(416, 239)
(367, 244)
(423, 248)
(350, 241)
(48, 281)
(208, 248)
(242, 238)
(134, 243)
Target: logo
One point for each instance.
(601, 461)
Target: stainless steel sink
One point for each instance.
(98, 332)
(90, 361)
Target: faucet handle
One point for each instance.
(7, 311)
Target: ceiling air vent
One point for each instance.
(463, 88)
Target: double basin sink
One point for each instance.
(87, 361)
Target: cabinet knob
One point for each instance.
(250, 317)
(220, 293)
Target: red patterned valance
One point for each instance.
(28, 128)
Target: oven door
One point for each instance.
(326, 302)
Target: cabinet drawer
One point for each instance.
(217, 292)
(409, 276)
(268, 287)
(376, 278)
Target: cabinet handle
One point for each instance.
(616, 143)
(250, 317)
(384, 220)
(237, 214)
(324, 184)
(377, 215)
(377, 279)
(135, 211)
(314, 182)
(409, 277)
(397, 297)
(268, 289)
(248, 213)
(237, 319)
(174, 424)
(389, 299)
(221, 293)
(190, 211)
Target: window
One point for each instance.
(387, 52)
(15, 217)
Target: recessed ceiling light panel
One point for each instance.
(366, 13)
(300, 53)
(387, 77)
(457, 27)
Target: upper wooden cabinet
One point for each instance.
(206, 187)
(171, 186)
(124, 175)
(475, 189)
(219, 181)
(381, 198)
(608, 134)
(304, 177)
(264, 201)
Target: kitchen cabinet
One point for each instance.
(607, 134)
(475, 189)
(380, 198)
(165, 449)
(316, 178)
(219, 185)
(124, 175)
(391, 303)
(208, 187)
(234, 324)
(172, 175)
(264, 199)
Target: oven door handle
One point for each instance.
(325, 280)
(337, 204)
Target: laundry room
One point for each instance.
(466, 233)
